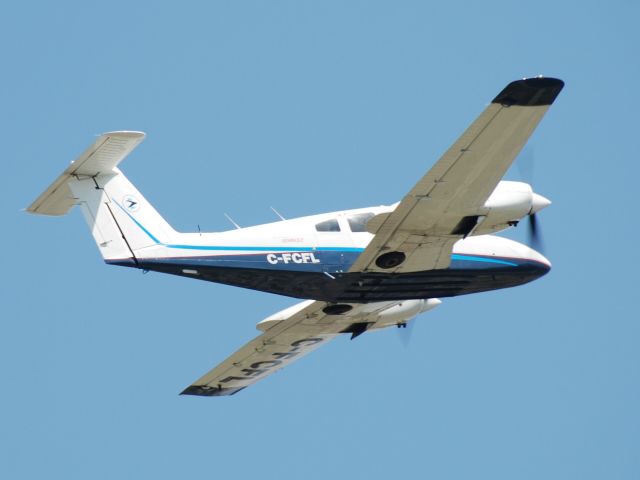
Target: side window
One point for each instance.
(358, 223)
(328, 226)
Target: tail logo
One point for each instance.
(131, 203)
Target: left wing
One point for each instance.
(291, 334)
(446, 204)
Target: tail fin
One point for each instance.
(120, 218)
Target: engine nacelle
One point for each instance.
(509, 202)
(370, 313)
(404, 311)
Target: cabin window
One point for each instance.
(328, 226)
(358, 223)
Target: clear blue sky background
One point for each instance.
(313, 107)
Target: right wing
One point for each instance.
(280, 345)
(291, 334)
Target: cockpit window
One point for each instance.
(328, 226)
(358, 223)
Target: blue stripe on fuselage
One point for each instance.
(264, 249)
(456, 257)
(316, 261)
(237, 248)
(149, 234)
(332, 259)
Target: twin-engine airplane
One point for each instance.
(358, 270)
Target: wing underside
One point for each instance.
(296, 332)
(282, 344)
(419, 234)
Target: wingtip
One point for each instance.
(208, 391)
(530, 92)
(124, 133)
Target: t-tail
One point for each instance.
(120, 218)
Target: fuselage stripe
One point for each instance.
(228, 248)
(455, 256)
(265, 248)
(149, 234)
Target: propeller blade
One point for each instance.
(405, 332)
(526, 163)
(535, 237)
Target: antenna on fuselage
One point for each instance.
(277, 213)
(231, 220)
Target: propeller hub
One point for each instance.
(538, 202)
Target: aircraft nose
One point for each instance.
(538, 262)
(538, 257)
(544, 267)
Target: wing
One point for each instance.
(291, 334)
(101, 157)
(442, 207)
(281, 344)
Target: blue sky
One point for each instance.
(313, 107)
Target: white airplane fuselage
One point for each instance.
(310, 257)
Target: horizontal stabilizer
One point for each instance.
(101, 158)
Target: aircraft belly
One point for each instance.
(461, 278)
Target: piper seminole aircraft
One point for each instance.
(358, 270)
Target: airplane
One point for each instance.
(357, 270)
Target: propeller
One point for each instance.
(405, 332)
(526, 163)
(534, 237)
(526, 166)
